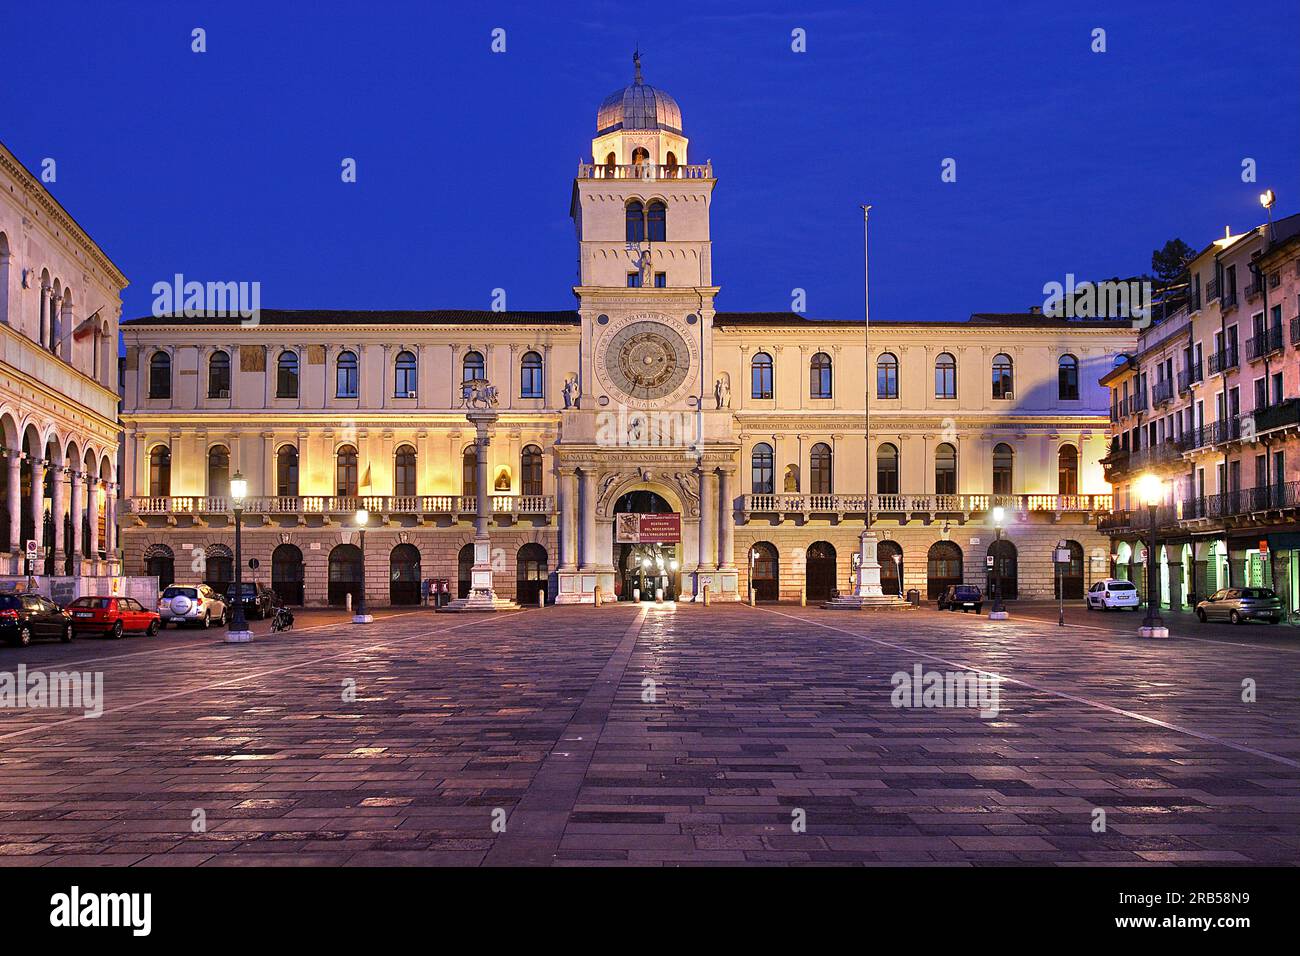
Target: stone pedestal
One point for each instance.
(867, 592)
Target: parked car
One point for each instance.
(191, 604)
(259, 602)
(962, 597)
(1239, 605)
(1110, 593)
(24, 617)
(113, 616)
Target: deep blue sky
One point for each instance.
(225, 165)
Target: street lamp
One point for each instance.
(237, 632)
(359, 615)
(998, 613)
(1151, 491)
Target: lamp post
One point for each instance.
(998, 613)
(1151, 491)
(237, 632)
(359, 615)
(898, 570)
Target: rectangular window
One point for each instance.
(661, 280)
(1261, 393)
(634, 280)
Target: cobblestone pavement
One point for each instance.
(726, 735)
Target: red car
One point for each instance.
(111, 616)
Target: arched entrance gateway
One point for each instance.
(943, 567)
(820, 571)
(647, 539)
(404, 575)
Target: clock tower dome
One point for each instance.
(645, 284)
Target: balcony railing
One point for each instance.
(1267, 341)
(1212, 433)
(1281, 496)
(1285, 414)
(1228, 300)
(1211, 290)
(172, 505)
(963, 504)
(1223, 359)
(1189, 376)
(1162, 391)
(645, 171)
(1193, 301)
(1255, 289)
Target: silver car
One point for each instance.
(194, 604)
(1239, 605)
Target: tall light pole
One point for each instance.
(237, 631)
(359, 615)
(1151, 491)
(999, 613)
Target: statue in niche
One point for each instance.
(722, 391)
(792, 478)
(571, 392)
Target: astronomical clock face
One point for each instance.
(648, 361)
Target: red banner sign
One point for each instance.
(647, 529)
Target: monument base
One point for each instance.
(575, 586)
(1145, 631)
(858, 602)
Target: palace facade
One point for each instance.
(742, 433)
(60, 301)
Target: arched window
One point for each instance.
(346, 377)
(219, 375)
(405, 375)
(472, 368)
(160, 471)
(218, 470)
(530, 468)
(286, 375)
(4, 279)
(887, 469)
(819, 469)
(657, 221)
(945, 470)
(404, 472)
(1067, 470)
(1003, 465)
(1002, 379)
(611, 161)
(640, 156)
(819, 376)
(160, 375)
(530, 376)
(1067, 378)
(670, 165)
(761, 376)
(945, 376)
(345, 472)
(635, 221)
(887, 376)
(762, 480)
(469, 471)
(286, 472)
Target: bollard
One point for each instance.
(636, 595)
(659, 595)
(348, 602)
(595, 596)
(803, 596)
(706, 595)
(541, 599)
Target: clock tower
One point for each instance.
(648, 420)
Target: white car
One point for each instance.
(195, 604)
(1112, 593)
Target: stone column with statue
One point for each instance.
(480, 399)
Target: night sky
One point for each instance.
(225, 165)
